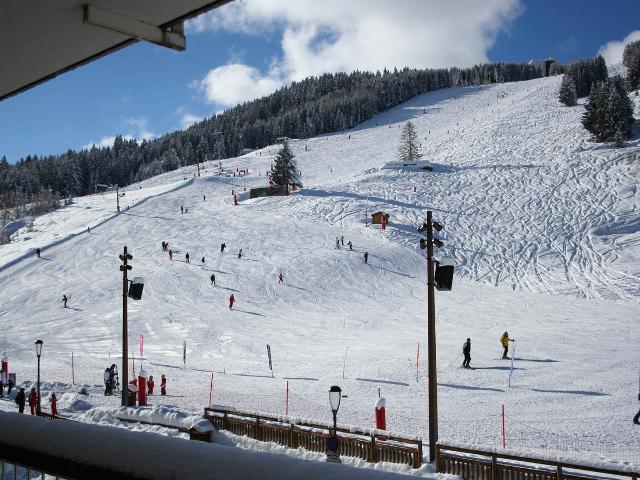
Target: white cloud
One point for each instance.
(337, 35)
(236, 83)
(104, 142)
(189, 119)
(612, 51)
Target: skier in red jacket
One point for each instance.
(33, 401)
(150, 385)
(232, 300)
(54, 404)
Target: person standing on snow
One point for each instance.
(65, 299)
(342, 239)
(204, 198)
(466, 351)
(20, 400)
(38, 252)
(202, 260)
(213, 279)
(240, 254)
(337, 242)
(181, 209)
(107, 381)
(163, 385)
(10, 385)
(366, 257)
(33, 400)
(222, 247)
(3, 381)
(170, 254)
(504, 340)
(187, 257)
(232, 300)
(281, 278)
(54, 404)
(350, 245)
(150, 385)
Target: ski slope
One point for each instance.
(542, 224)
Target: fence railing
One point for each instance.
(371, 447)
(473, 464)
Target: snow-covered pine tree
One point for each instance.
(285, 172)
(567, 93)
(609, 113)
(409, 150)
(631, 60)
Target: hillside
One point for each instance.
(542, 224)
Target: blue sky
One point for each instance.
(251, 47)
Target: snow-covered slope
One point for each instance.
(542, 224)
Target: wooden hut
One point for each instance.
(379, 218)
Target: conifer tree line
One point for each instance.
(631, 60)
(316, 105)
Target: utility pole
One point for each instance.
(431, 350)
(117, 198)
(124, 268)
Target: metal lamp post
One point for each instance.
(333, 453)
(38, 353)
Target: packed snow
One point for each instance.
(542, 225)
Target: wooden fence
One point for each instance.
(483, 465)
(313, 437)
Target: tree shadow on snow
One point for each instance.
(393, 271)
(298, 288)
(389, 382)
(311, 379)
(251, 375)
(498, 368)
(572, 392)
(468, 387)
(227, 288)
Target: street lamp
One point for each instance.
(38, 353)
(335, 394)
(333, 445)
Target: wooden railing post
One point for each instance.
(494, 467)
(257, 432)
(225, 422)
(372, 452)
(558, 472)
(437, 465)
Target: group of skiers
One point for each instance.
(22, 399)
(112, 382)
(340, 241)
(504, 341)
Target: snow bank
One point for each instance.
(147, 455)
(159, 414)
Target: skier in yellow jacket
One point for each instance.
(504, 340)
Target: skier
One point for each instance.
(337, 242)
(342, 240)
(164, 246)
(187, 257)
(281, 278)
(350, 245)
(113, 378)
(3, 380)
(33, 400)
(504, 340)
(107, 382)
(54, 404)
(466, 351)
(213, 279)
(232, 300)
(150, 385)
(38, 252)
(20, 400)
(202, 260)
(88, 229)
(240, 254)
(186, 210)
(170, 255)
(10, 385)
(65, 300)
(204, 198)
(181, 209)
(222, 247)
(366, 257)
(163, 385)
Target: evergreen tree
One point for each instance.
(409, 150)
(631, 60)
(284, 171)
(567, 93)
(609, 113)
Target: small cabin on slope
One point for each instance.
(379, 218)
